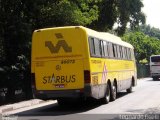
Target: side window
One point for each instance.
(91, 46)
(120, 51)
(106, 48)
(132, 54)
(111, 50)
(114, 46)
(97, 46)
(102, 49)
(123, 52)
(126, 53)
(129, 53)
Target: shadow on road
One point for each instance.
(149, 111)
(121, 94)
(56, 110)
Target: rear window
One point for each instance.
(155, 59)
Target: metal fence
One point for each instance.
(143, 70)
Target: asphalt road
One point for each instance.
(142, 103)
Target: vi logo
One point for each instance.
(61, 43)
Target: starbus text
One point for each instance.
(59, 79)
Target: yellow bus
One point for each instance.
(77, 62)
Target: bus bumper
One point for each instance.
(155, 76)
(54, 94)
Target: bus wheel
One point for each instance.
(62, 102)
(113, 92)
(129, 90)
(106, 99)
(154, 78)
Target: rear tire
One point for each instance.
(129, 90)
(114, 92)
(62, 102)
(155, 78)
(106, 99)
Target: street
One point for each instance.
(145, 99)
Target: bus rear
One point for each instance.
(155, 66)
(60, 63)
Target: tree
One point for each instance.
(68, 12)
(107, 15)
(121, 12)
(144, 45)
(130, 11)
(15, 36)
(150, 31)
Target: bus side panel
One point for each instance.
(106, 69)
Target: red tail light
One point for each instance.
(87, 76)
(33, 80)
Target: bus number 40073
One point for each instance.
(67, 61)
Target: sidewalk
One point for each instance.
(147, 78)
(28, 103)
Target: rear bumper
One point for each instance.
(155, 74)
(54, 94)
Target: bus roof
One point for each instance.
(101, 35)
(107, 36)
(154, 55)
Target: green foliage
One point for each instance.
(150, 31)
(67, 12)
(16, 30)
(130, 11)
(121, 12)
(144, 45)
(107, 15)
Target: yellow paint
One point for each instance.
(116, 69)
(65, 70)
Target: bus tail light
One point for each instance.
(33, 80)
(87, 76)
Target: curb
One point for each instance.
(147, 78)
(19, 105)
